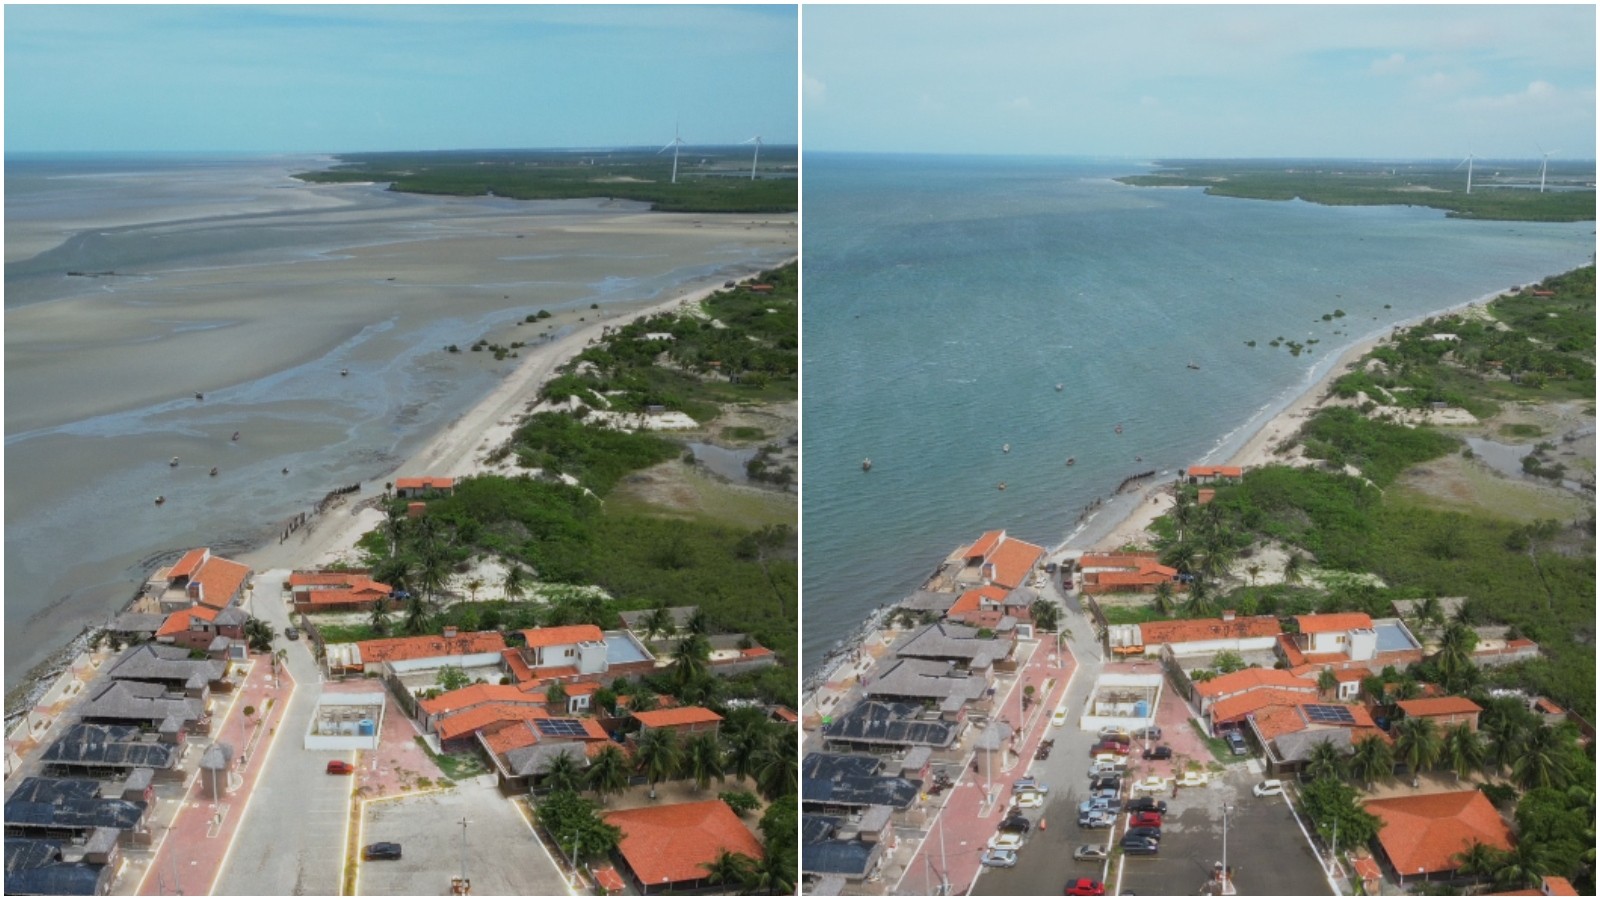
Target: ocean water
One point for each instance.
(241, 283)
(945, 298)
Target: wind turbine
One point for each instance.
(1544, 165)
(675, 143)
(1468, 163)
(757, 141)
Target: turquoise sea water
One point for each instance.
(946, 297)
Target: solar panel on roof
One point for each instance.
(560, 727)
(1329, 715)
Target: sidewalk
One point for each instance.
(192, 849)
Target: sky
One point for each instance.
(327, 79)
(1391, 82)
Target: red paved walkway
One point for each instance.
(966, 821)
(190, 854)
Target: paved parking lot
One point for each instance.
(428, 827)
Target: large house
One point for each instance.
(317, 592)
(470, 649)
(1105, 573)
(424, 486)
(1196, 637)
(996, 559)
(199, 578)
(667, 848)
(1421, 835)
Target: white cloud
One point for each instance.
(813, 90)
(1020, 103)
(1536, 93)
(1149, 102)
(1392, 65)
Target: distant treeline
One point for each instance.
(709, 180)
(1500, 190)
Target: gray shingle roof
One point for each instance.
(85, 744)
(137, 701)
(890, 723)
(927, 679)
(948, 640)
(166, 664)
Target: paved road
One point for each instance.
(292, 838)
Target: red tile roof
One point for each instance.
(474, 695)
(1013, 561)
(683, 715)
(1178, 631)
(187, 564)
(667, 844)
(426, 646)
(1439, 706)
(1217, 471)
(608, 879)
(1230, 708)
(1548, 707)
(427, 483)
(220, 580)
(1423, 833)
(509, 736)
(180, 621)
(565, 634)
(752, 652)
(1326, 622)
(333, 580)
(972, 600)
(1249, 679)
(785, 714)
(1116, 560)
(984, 545)
(464, 723)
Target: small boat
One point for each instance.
(1072, 460)
(866, 464)
(213, 471)
(1002, 485)
(1138, 459)
(160, 499)
(286, 471)
(199, 396)
(174, 462)
(1118, 429)
(344, 371)
(1060, 386)
(1194, 365)
(236, 435)
(1005, 448)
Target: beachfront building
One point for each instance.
(149, 707)
(1198, 639)
(198, 577)
(668, 848)
(214, 631)
(946, 687)
(835, 855)
(425, 486)
(849, 784)
(171, 669)
(998, 609)
(1104, 573)
(43, 868)
(473, 649)
(961, 646)
(1421, 835)
(997, 559)
(1215, 474)
(97, 751)
(75, 809)
(325, 592)
(877, 727)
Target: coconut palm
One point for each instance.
(1455, 652)
(1417, 744)
(698, 623)
(380, 615)
(515, 583)
(659, 622)
(1325, 761)
(1046, 614)
(1373, 759)
(1164, 598)
(1545, 760)
(659, 755)
(1464, 751)
(1327, 683)
(728, 867)
(1522, 865)
(1480, 860)
(691, 659)
(776, 772)
(643, 700)
(608, 772)
(774, 873)
(1199, 603)
(562, 773)
(433, 573)
(703, 760)
(749, 734)
(416, 614)
(1506, 733)
(1294, 568)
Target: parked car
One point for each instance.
(1030, 784)
(1272, 787)
(1147, 804)
(1112, 732)
(1144, 819)
(1006, 840)
(1084, 887)
(1094, 804)
(1101, 818)
(1028, 799)
(381, 850)
(1148, 733)
(1001, 859)
(1153, 784)
(1106, 783)
(1161, 751)
(1143, 831)
(339, 767)
(1102, 769)
(292, 633)
(1060, 716)
(1107, 794)
(1109, 748)
(1193, 778)
(1092, 852)
(1137, 846)
(1236, 743)
(1016, 822)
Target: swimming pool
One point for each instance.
(1392, 636)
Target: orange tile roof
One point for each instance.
(1115, 560)
(1151, 575)
(984, 545)
(565, 634)
(1205, 495)
(509, 736)
(1178, 631)
(1219, 471)
(785, 713)
(180, 621)
(333, 579)
(1439, 706)
(754, 652)
(220, 580)
(425, 646)
(187, 564)
(465, 723)
(683, 715)
(1249, 679)
(1556, 886)
(1231, 708)
(608, 879)
(1276, 721)
(1013, 560)
(667, 844)
(1548, 707)
(1423, 833)
(972, 600)
(474, 695)
(1326, 622)
(425, 483)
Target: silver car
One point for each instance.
(1092, 852)
(1000, 859)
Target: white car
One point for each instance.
(1272, 787)
(1028, 799)
(1110, 731)
(1030, 783)
(1154, 784)
(1000, 858)
(1006, 840)
(1060, 717)
(1193, 778)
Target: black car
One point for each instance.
(381, 850)
(1140, 846)
(1236, 743)
(1106, 783)
(1016, 822)
(292, 633)
(1151, 733)
(1161, 752)
(1148, 804)
(1144, 831)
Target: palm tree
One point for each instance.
(1480, 860)
(1046, 614)
(643, 700)
(1507, 735)
(562, 773)
(608, 772)
(1544, 760)
(749, 735)
(474, 585)
(729, 867)
(416, 614)
(1327, 683)
(698, 623)
(1522, 865)
(1417, 744)
(1325, 761)
(1199, 604)
(555, 698)
(776, 772)
(433, 573)
(1373, 759)
(774, 872)
(1164, 602)
(1294, 568)
(702, 759)
(659, 755)
(659, 622)
(1455, 652)
(1464, 751)
(380, 615)
(515, 583)
(1183, 507)
(691, 659)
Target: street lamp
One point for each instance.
(1227, 882)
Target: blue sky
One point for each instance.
(347, 78)
(1214, 81)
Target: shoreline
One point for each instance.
(1125, 516)
(456, 449)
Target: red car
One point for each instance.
(339, 767)
(1109, 747)
(1144, 819)
(1084, 887)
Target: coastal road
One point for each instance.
(292, 837)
